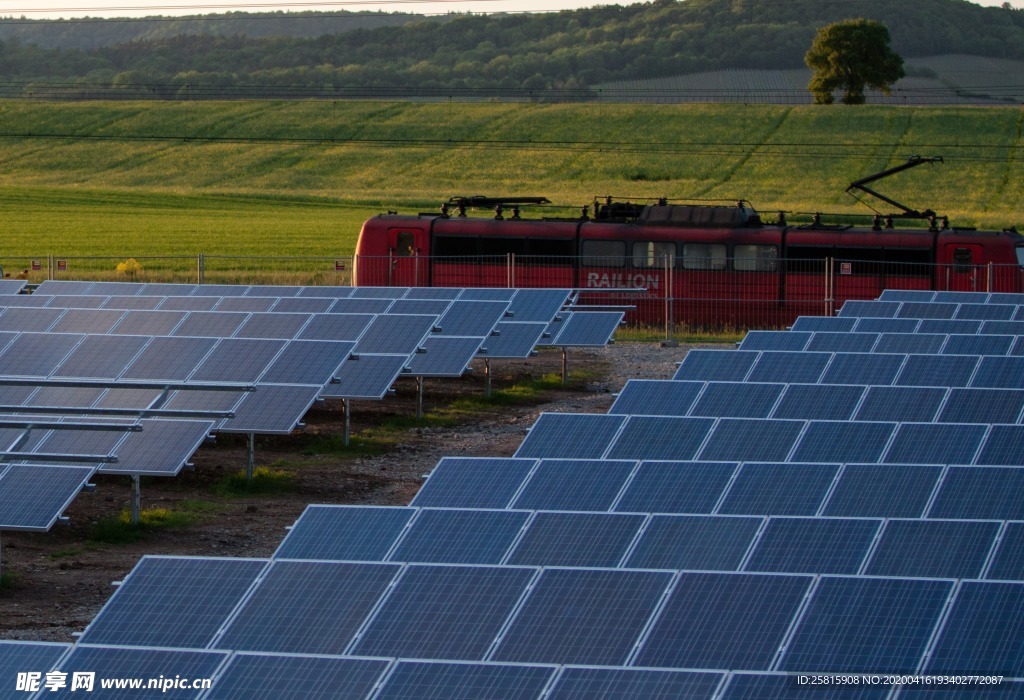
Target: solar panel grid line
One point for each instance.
(622, 492)
(794, 624)
(514, 544)
(997, 542)
(869, 555)
(707, 438)
(637, 536)
(402, 534)
(982, 443)
(930, 504)
(716, 509)
(523, 484)
(754, 542)
(510, 619)
(796, 443)
(652, 620)
(369, 618)
(831, 490)
(940, 626)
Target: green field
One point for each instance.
(295, 179)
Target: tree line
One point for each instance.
(514, 55)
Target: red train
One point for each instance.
(695, 264)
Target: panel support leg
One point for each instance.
(347, 408)
(419, 398)
(250, 463)
(136, 506)
(487, 378)
(565, 367)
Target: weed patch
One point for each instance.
(265, 481)
(120, 529)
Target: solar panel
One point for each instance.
(843, 342)
(303, 305)
(752, 613)
(379, 292)
(162, 448)
(741, 439)
(1008, 562)
(870, 309)
(86, 321)
(1002, 327)
(366, 376)
(829, 324)
(33, 497)
(160, 289)
(886, 325)
(906, 295)
(251, 676)
(983, 406)
(336, 327)
(886, 625)
(401, 334)
(813, 545)
(922, 443)
(486, 294)
(237, 360)
(978, 345)
(922, 343)
(957, 297)
(307, 362)
(149, 322)
(983, 631)
(464, 681)
(775, 340)
(578, 683)
(716, 365)
(335, 292)
(29, 319)
(173, 601)
(213, 324)
(64, 287)
(825, 402)
(444, 357)
(344, 533)
(737, 400)
(576, 539)
(131, 302)
(361, 306)
(513, 340)
(195, 304)
(37, 354)
(169, 359)
(948, 326)
(1003, 446)
(273, 325)
(125, 289)
(444, 612)
(932, 309)
(588, 328)
(156, 664)
(937, 370)
(536, 304)
(244, 304)
(676, 487)
(101, 356)
(471, 318)
(460, 536)
(23, 657)
(273, 408)
(563, 484)
(985, 312)
(221, 290)
(583, 616)
(980, 493)
(296, 607)
(933, 548)
(789, 367)
(655, 397)
(1000, 373)
(901, 403)
(778, 489)
(12, 286)
(882, 491)
(431, 307)
(661, 437)
(715, 543)
(475, 482)
(1006, 298)
(570, 435)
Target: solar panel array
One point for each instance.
(698, 553)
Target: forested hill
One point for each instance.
(500, 53)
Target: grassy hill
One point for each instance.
(297, 178)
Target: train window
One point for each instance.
(453, 246)
(1020, 255)
(604, 253)
(963, 260)
(493, 245)
(405, 243)
(654, 254)
(755, 258)
(552, 247)
(704, 256)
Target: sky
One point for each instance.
(53, 9)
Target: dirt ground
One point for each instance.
(56, 582)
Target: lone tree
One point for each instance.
(851, 55)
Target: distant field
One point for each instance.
(297, 178)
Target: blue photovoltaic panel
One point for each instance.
(986, 312)
(444, 612)
(886, 325)
(576, 539)
(914, 309)
(581, 616)
(1008, 562)
(143, 322)
(336, 327)
(948, 326)
(741, 439)
(12, 287)
(476, 482)
(439, 293)
(307, 362)
(983, 632)
(827, 324)
(957, 297)
(213, 324)
(1005, 445)
(379, 292)
(433, 307)
(173, 602)
(23, 657)
(366, 376)
(843, 342)
(1006, 298)
(885, 623)
(716, 365)
(570, 435)
(460, 536)
(653, 397)
(1003, 327)
(127, 302)
(536, 304)
(906, 295)
(32, 497)
(271, 325)
(983, 406)
(75, 287)
(714, 543)
(676, 487)
(751, 613)
(937, 443)
(564, 484)
(775, 340)
(401, 334)
(204, 400)
(191, 304)
(244, 304)
(661, 437)
(464, 681)
(923, 343)
(901, 403)
(64, 397)
(512, 340)
(116, 288)
(162, 448)
(37, 354)
(933, 548)
(778, 489)
(621, 683)
(156, 664)
(789, 367)
(161, 289)
(882, 491)
(937, 370)
(870, 309)
(29, 319)
(237, 360)
(331, 291)
(170, 359)
(268, 677)
(445, 356)
(485, 293)
(470, 318)
(361, 306)
(781, 686)
(307, 607)
(101, 356)
(978, 345)
(221, 290)
(981, 493)
(737, 400)
(344, 533)
(86, 321)
(303, 305)
(818, 401)
(589, 328)
(272, 408)
(1000, 373)
(813, 545)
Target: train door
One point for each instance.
(962, 269)
(407, 260)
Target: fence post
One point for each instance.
(200, 268)
(988, 282)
